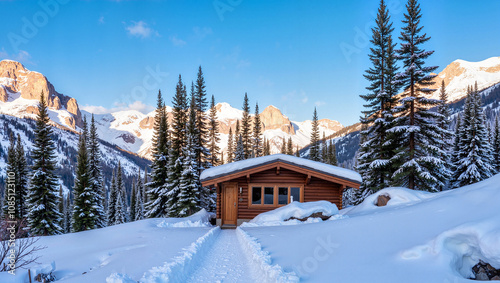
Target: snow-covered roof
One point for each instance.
(238, 166)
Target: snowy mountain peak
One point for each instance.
(460, 74)
(20, 91)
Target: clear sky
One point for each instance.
(292, 54)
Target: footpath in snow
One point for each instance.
(224, 262)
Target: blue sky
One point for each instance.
(292, 54)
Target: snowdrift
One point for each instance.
(295, 209)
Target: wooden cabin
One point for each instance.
(249, 187)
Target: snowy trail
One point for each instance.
(225, 262)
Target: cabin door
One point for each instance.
(230, 204)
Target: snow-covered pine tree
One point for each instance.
(85, 202)
(133, 193)
(496, 145)
(455, 152)
(443, 122)
(68, 211)
(60, 206)
(239, 154)
(96, 179)
(214, 139)
(230, 146)
(314, 149)
(189, 194)
(324, 149)
(257, 133)
(43, 216)
(357, 196)
(119, 208)
(267, 147)
(203, 139)
(331, 153)
(289, 146)
(418, 158)
(245, 128)
(378, 148)
(111, 213)
(474, 157)
(236, 136)
(159, 167)
(139, 199)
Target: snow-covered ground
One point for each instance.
(416, 237)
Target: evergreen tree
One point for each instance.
(159, 168)
(190, 186)
(121, 198)
(364, 189)
(331, 153)
(179, 120)
(96, 179)
(133, 199)
(139, 199)
(85, 202)
(119, 208)
(443, 122)
(324, 150)
(239, 154)
(297, 152)
(267, 150)
(283, 145)
(418, 156)
(60, 206)
(43, 216)
(314, 153)
(236, 136)
(455, 153)
(257, 133)
(496, 145)
(245, 128)
(474, 155)
(289, 146)
(378, 147)
(68, 211)
(230, 145)
(203, 139)
(214, 138)
(112, 201)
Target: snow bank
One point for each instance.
(119, 278)
(302, 162)
(199, 219)
(181, 267)
(464, 246)
(46, 269)
(295, 209)
(399, 197)
(263, 262)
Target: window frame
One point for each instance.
(275, 194)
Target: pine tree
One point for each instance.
(60, 206)
(257, 133)
(96, 179)
(297, 152)
(133, 198)
(203, 138)
(283, 145)
(84, 207)
(496, 145)
(331, 153)
(230, 146)
(289, 146)
(245, 128)
(267, 150)
(139, 199)
(443, 122)
(455, 153)
(179, 120)
(314, 153)
(21, 179)
(474, 155)
(68, 211)
(239, 154)
(159, 168)
(214, 138)
(120, 204)
(418, 156)
(236, 136)
(364, 189)
(112, 200)
(43, 217)
(119, 208)
(378, 148)
(324, 150)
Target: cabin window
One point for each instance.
(283, 195)
(274, 195)
(257, 195)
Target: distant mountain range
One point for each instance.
(132, 130)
